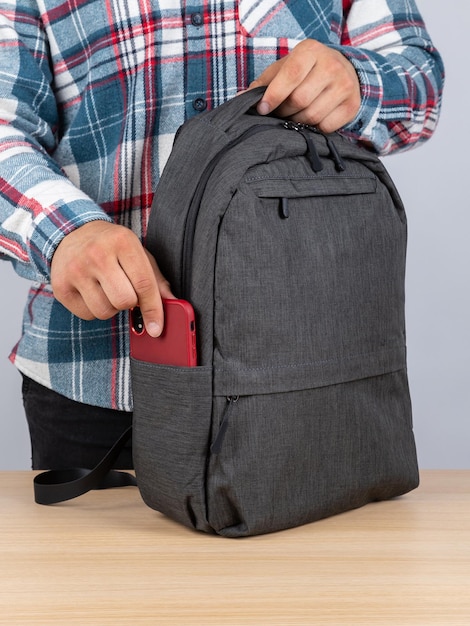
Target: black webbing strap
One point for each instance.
(58, 485)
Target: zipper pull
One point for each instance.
(312, 153)
(284, 208)
(335, 155)
(218, 441)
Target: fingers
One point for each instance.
(102, 268)
(150, 294)
(284, 76)
(83, 273)
(314, 84)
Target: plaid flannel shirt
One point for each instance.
(91, 94)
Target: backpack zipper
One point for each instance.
(216, 446)
(313, 155)
(190, 224)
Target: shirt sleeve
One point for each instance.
(400, 71)
(39, 205)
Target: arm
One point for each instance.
(49, 228)
(400, 71)
(38, 203)
(391, 103)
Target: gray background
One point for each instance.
(431, 181)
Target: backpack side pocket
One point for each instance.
(172, 414)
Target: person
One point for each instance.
(91, 95)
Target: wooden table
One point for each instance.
(106, 558)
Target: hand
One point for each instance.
(102, 268)
(314, 84)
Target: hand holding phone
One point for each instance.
(177, 343)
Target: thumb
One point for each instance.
(150, 302)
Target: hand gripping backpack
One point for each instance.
(290, 245)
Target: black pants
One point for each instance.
(66, 434)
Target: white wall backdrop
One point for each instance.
(433, 182)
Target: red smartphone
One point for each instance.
(177, 343)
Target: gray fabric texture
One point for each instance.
(297, 280)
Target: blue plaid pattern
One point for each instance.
(91, 94)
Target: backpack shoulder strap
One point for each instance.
(59, 485)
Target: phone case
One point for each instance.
(177, 343)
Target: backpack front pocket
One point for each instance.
(313, 277)
(291, 458)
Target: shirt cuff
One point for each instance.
(49, 229)
(365, 127)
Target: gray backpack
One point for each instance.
(291, 247)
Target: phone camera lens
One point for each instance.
(137, 320)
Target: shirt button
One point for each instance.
(197, 19)
(199, 104)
